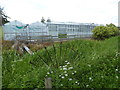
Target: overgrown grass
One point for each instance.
(73, 64)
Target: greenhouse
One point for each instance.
(71, 28)
(37, 30)
(17, 30)
(13, 29)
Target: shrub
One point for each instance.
(103, 32)
(113, 30)
(100, 32)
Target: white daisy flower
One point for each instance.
(87, 85)
(68, 63)
(61, 84)
(70, 79)
(116, 69)
(73, 73)
(66, 74)
(64, 68)
(90, 78)
(48, 73)
(70, 68)
(65, 71)
(117, 77)
(76, 82)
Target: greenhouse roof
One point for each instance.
(37, 24)
(15, 22)
(72, 23)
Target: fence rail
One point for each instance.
(49, 38)
(38, 37)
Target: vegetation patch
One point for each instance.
(103, 32)
(73, 64)
(62, 35)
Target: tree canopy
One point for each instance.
(3, 16)
(43, 20)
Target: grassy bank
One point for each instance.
(73, 64)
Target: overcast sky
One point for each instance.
(83, 11)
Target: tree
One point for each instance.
(48, 20)
(43, 20)
(3, 17)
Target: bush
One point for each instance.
(113, 30)
(62, 35)
(100, 32)
(103, 32)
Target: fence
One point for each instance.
(49, 38)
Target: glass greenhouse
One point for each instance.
(37, 30)
(17, 30)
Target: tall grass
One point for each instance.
(73, 64)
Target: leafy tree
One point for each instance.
(48, 20)
(103, 32)
(43, 20)
(3, 16)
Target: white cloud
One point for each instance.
(97, 11)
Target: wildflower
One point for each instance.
(68, 63)
(70, 79)
(116, 69)
(51, 71)
(117, 77)
(73, 73)
(90, 78)
(48, 73)
(61, 84)
(65, 71)
(64, 68)
(87, 85)
(59, 75)
(76, 82)
(66, 74)
(62, 77)
(70, 68)
(60, 66)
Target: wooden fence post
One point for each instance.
(48, 83)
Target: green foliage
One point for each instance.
(48, 20)
(4, 16)
(74, 64)
(103, 32)
(43, 20)
(62, 35)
